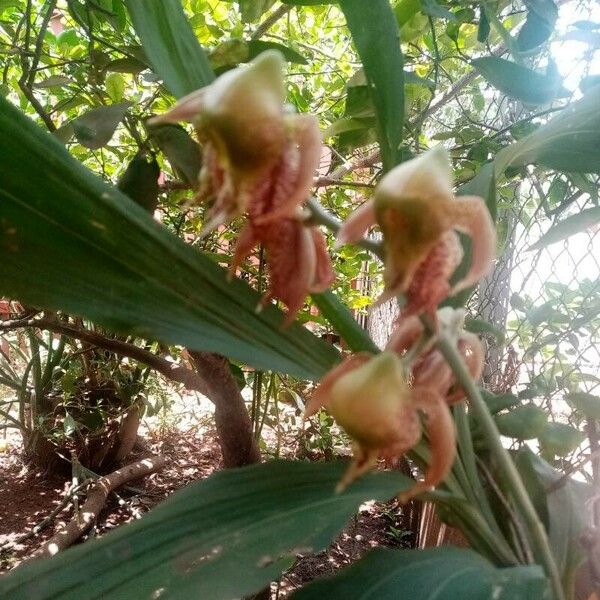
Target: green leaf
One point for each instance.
(568, 514)
(519, 82)
(126, 65)
(483, 30)
(376, 37)
(308, 2)
(525, 461)
(95, 128)
(115, 86)
(253, 10)
(445, 573)
(182, 151)
(498, 402)
(251, 521)
(539, 25)
(588, 404)
(568, 142)
(256, 47)
(570, 226)
(69, 425)
(522, 423)
(560, 439)
(72, 242)
(170, 45)
(54, 81)
(433, 9)
(140, 182)
(341, 319)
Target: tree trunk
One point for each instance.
(231, 416)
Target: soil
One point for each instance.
(28, 495)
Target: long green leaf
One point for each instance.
(170, 44)
(72, 242)
(221, 538)
(445, 573)
(568, 142)
(519, 82)
(568, 227)
(337, 313)
(377, 39)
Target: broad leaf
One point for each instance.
(588, 404)
(170, 44)
(445, 573)
(250, 521)
(95, 128)
(498, 402)
(72, 242)
(568, 514)
(182, 151)
(568, 142)
(252, 10)
(568, 227)
(480, 326)
(376, 37)
(519, 82)
(560, 439)
(523, 422)
(256, 47)
(539, 25)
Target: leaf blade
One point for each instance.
(170, 45)
(377, 39)
(72, 242)
(193, 542)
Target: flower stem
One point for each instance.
(506, 467)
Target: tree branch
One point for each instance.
(96, 499)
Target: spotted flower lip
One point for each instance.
(297, 261)
(419, 216)
(369, 397)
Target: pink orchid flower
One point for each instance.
(419, 216)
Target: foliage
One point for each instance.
(386, 80)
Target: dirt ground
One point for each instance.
(28, 495)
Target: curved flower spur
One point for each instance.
(419, 216)
(260, 160)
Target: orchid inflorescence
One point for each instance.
(259, 161)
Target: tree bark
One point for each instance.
(231, 416)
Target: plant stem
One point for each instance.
(322, 217)
(506, 467)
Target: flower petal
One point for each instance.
(357, 224)
(471, 216)
(442, 441)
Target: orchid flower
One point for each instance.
(370, 398)
(419, 216)
(255, 151)
(259, 159)
(428, 367)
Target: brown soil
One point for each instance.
(28, 495)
